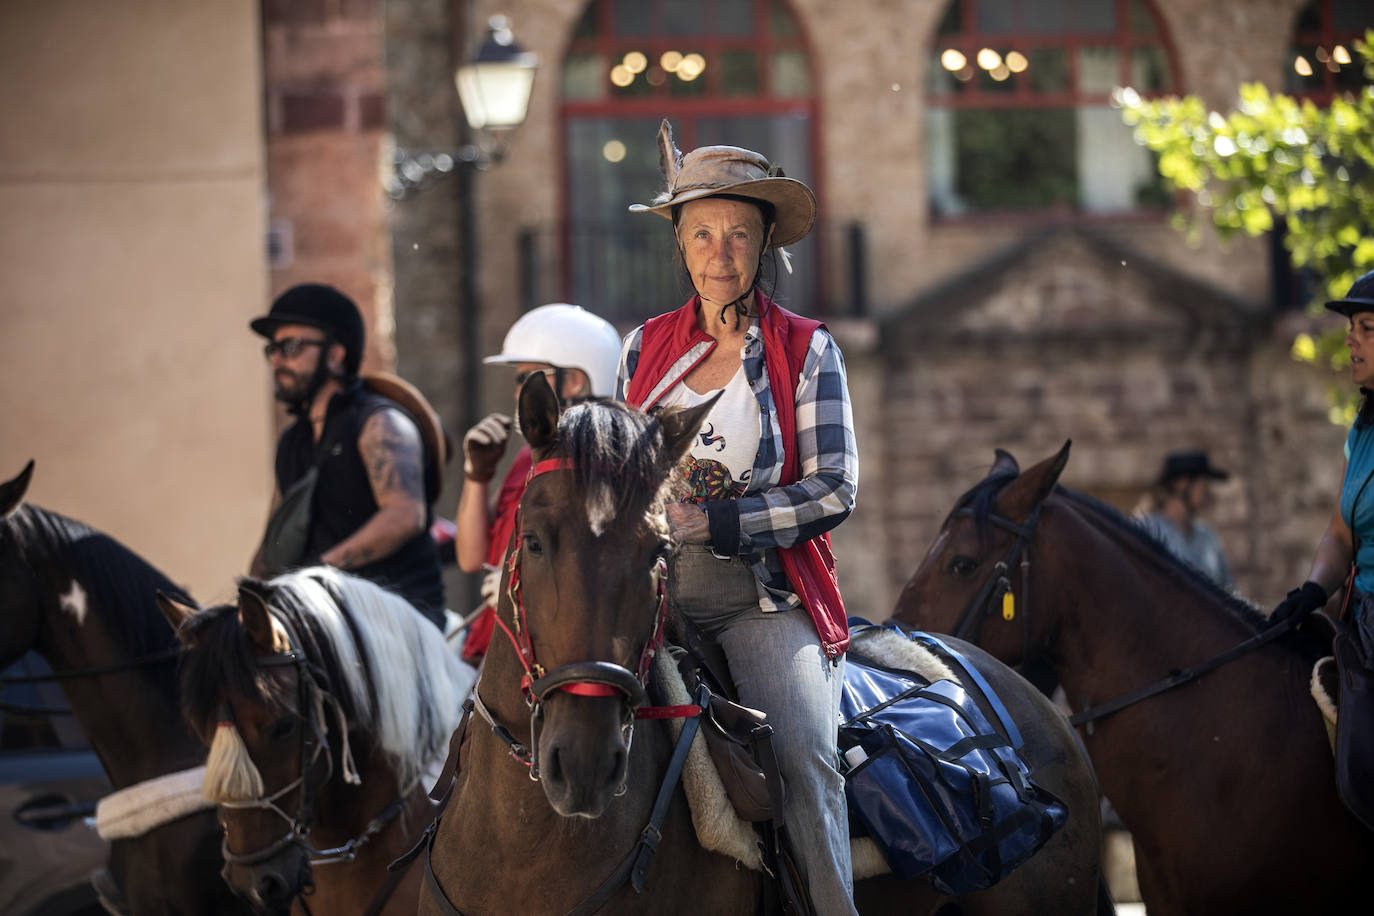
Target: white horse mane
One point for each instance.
(419, 682)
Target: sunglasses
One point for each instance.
(290, 347)
(520, 377)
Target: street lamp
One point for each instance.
(494, 87)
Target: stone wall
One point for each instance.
(325, 121)
(1036, 353)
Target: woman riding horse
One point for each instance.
(774, 468)
(1349, 537)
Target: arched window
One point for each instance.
(1019, 106)
(722, 71)
(1322, 60)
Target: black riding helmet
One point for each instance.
(323, 307)
(1359, 299)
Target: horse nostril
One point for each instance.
(272, 889)
(551, 767)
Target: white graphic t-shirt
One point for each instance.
(719, 464)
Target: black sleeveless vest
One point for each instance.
(343, 499)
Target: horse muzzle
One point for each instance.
(583, 746)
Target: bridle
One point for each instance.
(596, 679)
(970, 622)
(998, 585)
(312, 701)
(588, 678)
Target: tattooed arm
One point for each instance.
(394, 456)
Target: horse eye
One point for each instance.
(963, 567)
(282, 728)
(532, 544)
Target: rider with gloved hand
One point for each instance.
(1349, 536)
(579, 353)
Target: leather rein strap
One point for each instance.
(998, 585)
(971, 622)
(595, 678)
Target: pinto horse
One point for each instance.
(1226, 784)
(86, 604)
(553, 803)
(322, 697)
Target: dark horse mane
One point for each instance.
(224, 660)
(981, 499)
(616, 452)
(53, 547)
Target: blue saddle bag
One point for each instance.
(938, 786)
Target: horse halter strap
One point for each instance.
(998, 584)
(312, 700)
(596, 679)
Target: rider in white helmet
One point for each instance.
(580, 353)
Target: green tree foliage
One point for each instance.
(1274, 159)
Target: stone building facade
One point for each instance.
(977, 331)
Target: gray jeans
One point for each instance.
(778, 667)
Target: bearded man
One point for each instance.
(368, 512)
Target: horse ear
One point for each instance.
(537, 412)
(175, 612)
(681, 425)
(256, 620)
(1003, 464)
(1030, 489)
(12, 491)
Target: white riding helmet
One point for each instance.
(568, 337)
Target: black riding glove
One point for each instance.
(1300, 601)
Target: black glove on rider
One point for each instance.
(1300, 601)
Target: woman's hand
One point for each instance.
(687, 523)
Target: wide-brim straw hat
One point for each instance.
(713, 171)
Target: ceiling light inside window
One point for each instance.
(989, 59)
(953, 60)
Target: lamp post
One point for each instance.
(494, 88)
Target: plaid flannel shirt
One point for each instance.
(767, 515)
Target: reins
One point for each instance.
(589, 678)
(18, 709)
(312, 700)
(592, 678)
(978, 609)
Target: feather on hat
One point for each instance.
(713, 171)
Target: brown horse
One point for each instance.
(1226, 784)
(86, 604)
(322, 697)
(552, 798)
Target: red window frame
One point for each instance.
(683, 111)
(969, 41)
(1326, 36)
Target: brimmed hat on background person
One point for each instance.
(1193, 463)
(729, 171)
(319, 306)
(1360, 298)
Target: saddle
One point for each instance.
(738, 738)
(739, 744)
(1343, 686)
